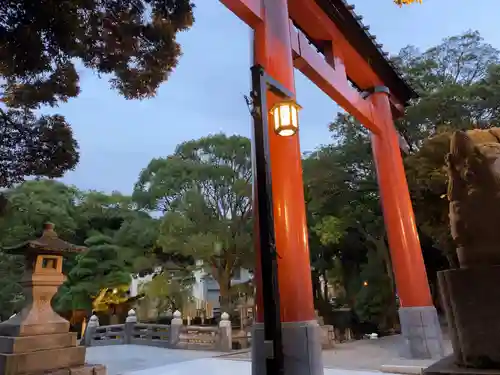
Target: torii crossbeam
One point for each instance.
(353, 71)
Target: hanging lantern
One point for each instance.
(407, 2)
(286, 118)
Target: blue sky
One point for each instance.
(205, 94)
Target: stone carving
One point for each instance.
(470, 294)
(474, 194)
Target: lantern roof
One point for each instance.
(357, 34)
(49, 243)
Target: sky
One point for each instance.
(204, 95)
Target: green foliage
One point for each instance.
(103, 213)
(137, 237)
(34, 203)
(374, 298)
(204, 191)
(456, 84)
(97, 268)
(343, 204)
(129, 233)
(32, 146)
(330, 230)
(132, 42)
(169, 290)
(459, 85)
(11, 293)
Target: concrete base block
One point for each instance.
(79, 370)
(13, 328)
(471, 299)
(447, 366)
(24, 344)
(327, 337)
(401, 369)
(301, 349)
(421, 333)
(41, 361)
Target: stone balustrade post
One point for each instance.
(130, 323)
(175, 329)
(90, 330)
(225, 334)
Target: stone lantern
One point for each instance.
(37, 339)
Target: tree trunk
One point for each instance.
(325, 286)
(384, 252)
(391, 317)
(315, 285)
(224, 281)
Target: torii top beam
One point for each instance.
(349, 61)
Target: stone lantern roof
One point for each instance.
(49, 243)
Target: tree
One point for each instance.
(31, 146)
(204, 191)
(138, 237)
(77, 215)
(170, 290)
(11, 292)
(103, 213)
(133, 42)
(98, 268)
(455, 81)
(34, 203)
(458, 84)
(374, 294)
(343, 190)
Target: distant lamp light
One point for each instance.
(365, 283)
(286, 118)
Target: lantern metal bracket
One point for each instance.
(261, 83)
(274, 86)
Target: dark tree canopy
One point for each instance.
(131, 41)
(31, 146)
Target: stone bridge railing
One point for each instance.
(173, 336)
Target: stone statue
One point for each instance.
(474, 194)
(471, 294)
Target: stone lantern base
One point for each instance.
(37, 340)
(45, 354)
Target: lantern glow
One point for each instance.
(286, 118)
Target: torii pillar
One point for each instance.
(278, 47)
(300, 330)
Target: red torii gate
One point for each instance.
(283, 33)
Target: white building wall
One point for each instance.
(138, 281)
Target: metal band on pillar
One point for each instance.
(376, 90)
(403, 144)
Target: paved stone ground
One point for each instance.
(214, 366)
(363, 355)
(121, 359)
